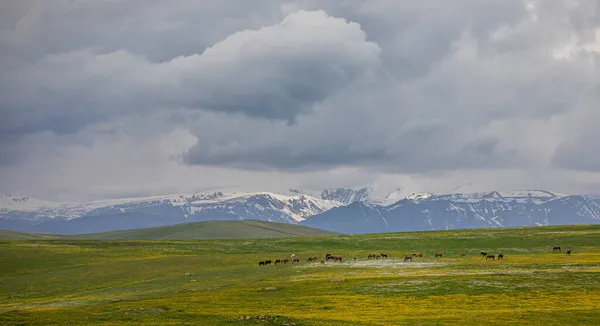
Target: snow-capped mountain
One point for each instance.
(426, 211)
(30, 214)
(340, 210)
(346, 195)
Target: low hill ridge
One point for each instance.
(247, 229)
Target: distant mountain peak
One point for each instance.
(419, 196)
(346, 195)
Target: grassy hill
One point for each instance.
(248, 229)
(15, 235)
(219, 282)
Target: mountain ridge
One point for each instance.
(338, 209)
(209, 230)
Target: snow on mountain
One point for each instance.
(346, 195)
(339, 209)
(419, 196)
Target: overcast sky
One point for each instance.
(116, 98)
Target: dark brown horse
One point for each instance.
(337, 258)
(371, 256)
(261, 263)
(556, 248)
(296, 260)
(417, 255)
(568, 252)
(287, 260)
(330, 258)
(438, 254)
(277, 261)
(383, 255)
(409, 257)
(484, 253)
(463, 254)
(313, 258)
(501, 256)
(267, 262)
(327, 256)
(490, 256)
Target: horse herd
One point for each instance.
(328, 257)
(555, 248)
(279, 261)
(492, 257)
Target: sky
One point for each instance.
(121, 98)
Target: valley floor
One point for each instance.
(67, 282)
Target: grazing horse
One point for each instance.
(490, 256)
(409, 257)
(371, 256)
(500, 256)
(556, 248)
(330, 258)
(261, 263)
(337, 258)
(287, 260)
(313, 258)
(377, 257)
(327, 256)
(267, 262)
(568, 252)
(417, 255)
(383, 255)
(484, 253)
(438, 254)
(277, 261)
(296, 260)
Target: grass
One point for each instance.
(218, 282)
(247, 229)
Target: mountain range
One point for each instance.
(339, 210)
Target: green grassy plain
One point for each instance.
(218, 282)
(247, 229)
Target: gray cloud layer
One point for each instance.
(276, 72)
(380, 86)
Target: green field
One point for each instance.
(247, 229)
(218, 282)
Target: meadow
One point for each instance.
(219, 282)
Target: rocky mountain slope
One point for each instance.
(424, 211)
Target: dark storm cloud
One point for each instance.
(417, 87)
(465, 74)
(276, 72)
